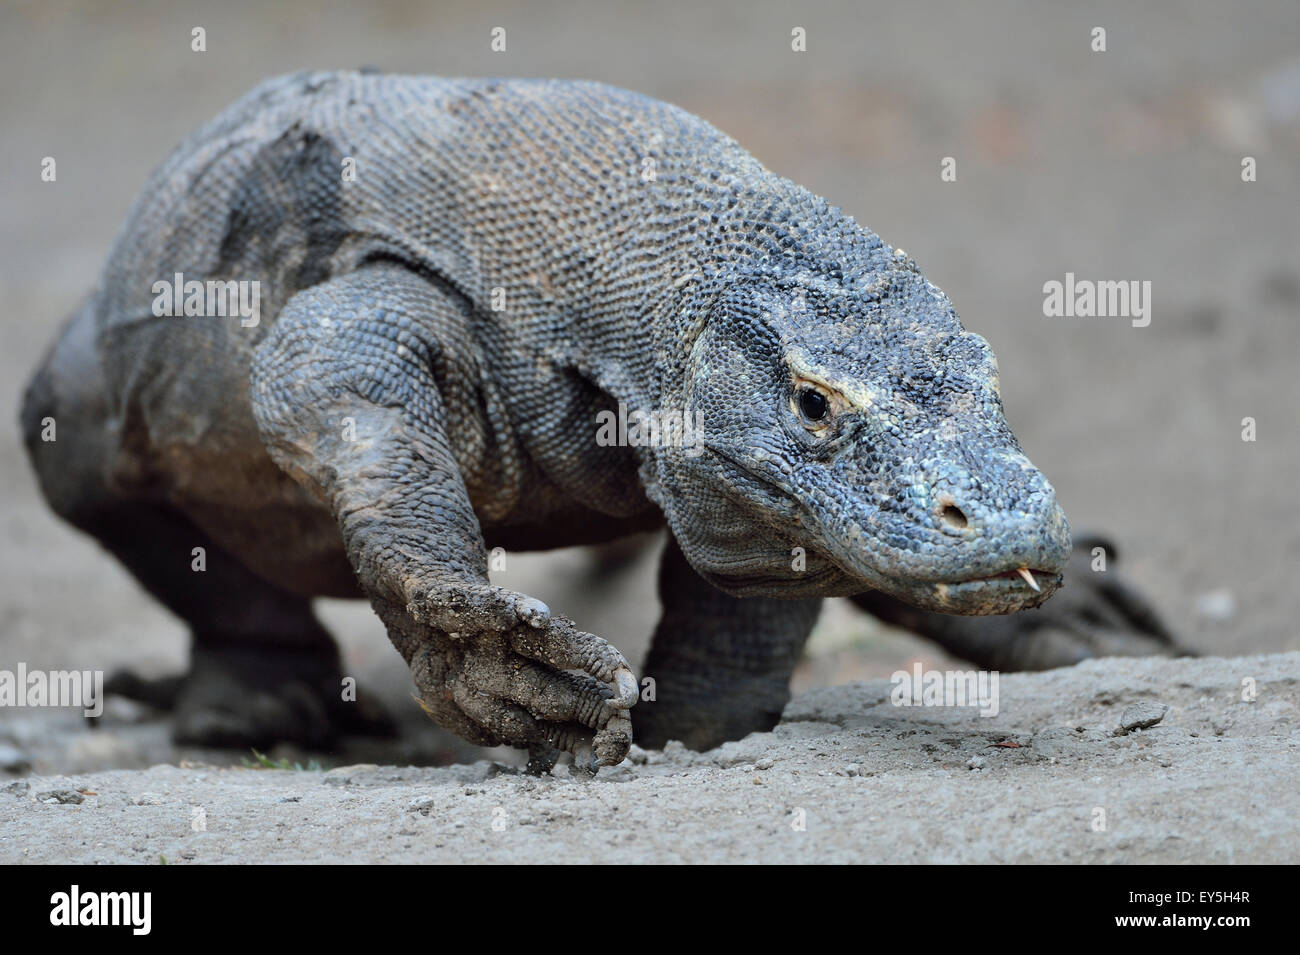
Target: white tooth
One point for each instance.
(1029, 578)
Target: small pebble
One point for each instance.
(765, 763)
(67, 797)
(1142, 715)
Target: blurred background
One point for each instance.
(1116, 165)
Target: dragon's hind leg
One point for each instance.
(263, 669)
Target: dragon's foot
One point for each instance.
(242, 697)
(498, 668)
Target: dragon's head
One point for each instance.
(849, 436)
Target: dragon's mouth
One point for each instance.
(928, 588)
(1003, 592)
(1034, 585)
(1030, 577)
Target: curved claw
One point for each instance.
(533, 612)
(612, 743)
(628, 690)
(584, 761)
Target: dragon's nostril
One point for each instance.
(953, 516)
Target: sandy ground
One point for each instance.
(846, 777)
(1116, 165)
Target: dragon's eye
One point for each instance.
(813, 404)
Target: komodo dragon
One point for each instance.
(459, 280)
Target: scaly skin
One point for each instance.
(436, 341)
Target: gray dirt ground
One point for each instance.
(1115, 165)
(847, 777)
